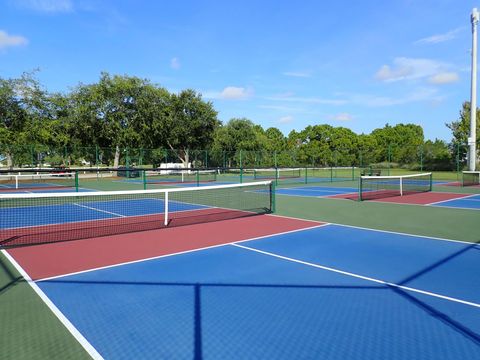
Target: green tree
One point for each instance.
(191, 124)
(325, 145)
(119, 112)
(399, 144)
(460, 131)
(235, 136)
(27, 117)
(437, 156)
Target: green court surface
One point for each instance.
(31, 331)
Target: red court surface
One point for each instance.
(43, 261)
(424, 198)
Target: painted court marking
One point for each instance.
(176, 253)
(378, 281)
(53, 308)
(99, 210)
(459, 198)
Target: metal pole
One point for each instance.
(472, 156)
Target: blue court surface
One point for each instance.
(86, 210)
(330, 292)
(469, 202)
(315, 191)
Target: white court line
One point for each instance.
(382, 231)
(53, 308)
(177, 253)
(454, 207)
(378, 281)
(338, 196)
(99, 210)
(201, 208)
(306, 189)
(464, 196)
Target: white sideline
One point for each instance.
(378, 281)
(62, 318)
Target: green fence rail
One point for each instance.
(392, 159)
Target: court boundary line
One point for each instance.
(459, 198)
(362, 277)
(321, 224)
(380, 230)
(340, 198)
(334, 197)
(306, 189)
(455, 207)
(87, 346)
(99, 210)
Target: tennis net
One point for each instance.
(470, 178)
(27, 219)
(37, 181)
(376, 187)
(162, 176)
(274, 173)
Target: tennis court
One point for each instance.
(410, 189)
(234, 271)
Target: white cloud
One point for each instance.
(311, 100)
(47, 6)
(342, 117)
(421, 94)
(297, 74)
(280, 108)
(435, 39)
(236, 93)
(408, 69)
(285, 120)
(175, 63)
(7, 40)
(443, 78)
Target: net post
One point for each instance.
(76, 180)
(241, 175)
(144, 179)
(16, 181)
(273, 203)
(276, 176)
(165, 212)
(197, 177)
(431, 181)
(306, 175)
(401, 186)
(331, 173)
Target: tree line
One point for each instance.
(119, 112)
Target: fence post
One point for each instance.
(389, 158)
(241, 168)
(421, 157)
(458, 161)
(97, 164)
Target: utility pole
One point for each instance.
(472, 154)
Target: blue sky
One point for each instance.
(288, 64)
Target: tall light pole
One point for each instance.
(472, 154)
